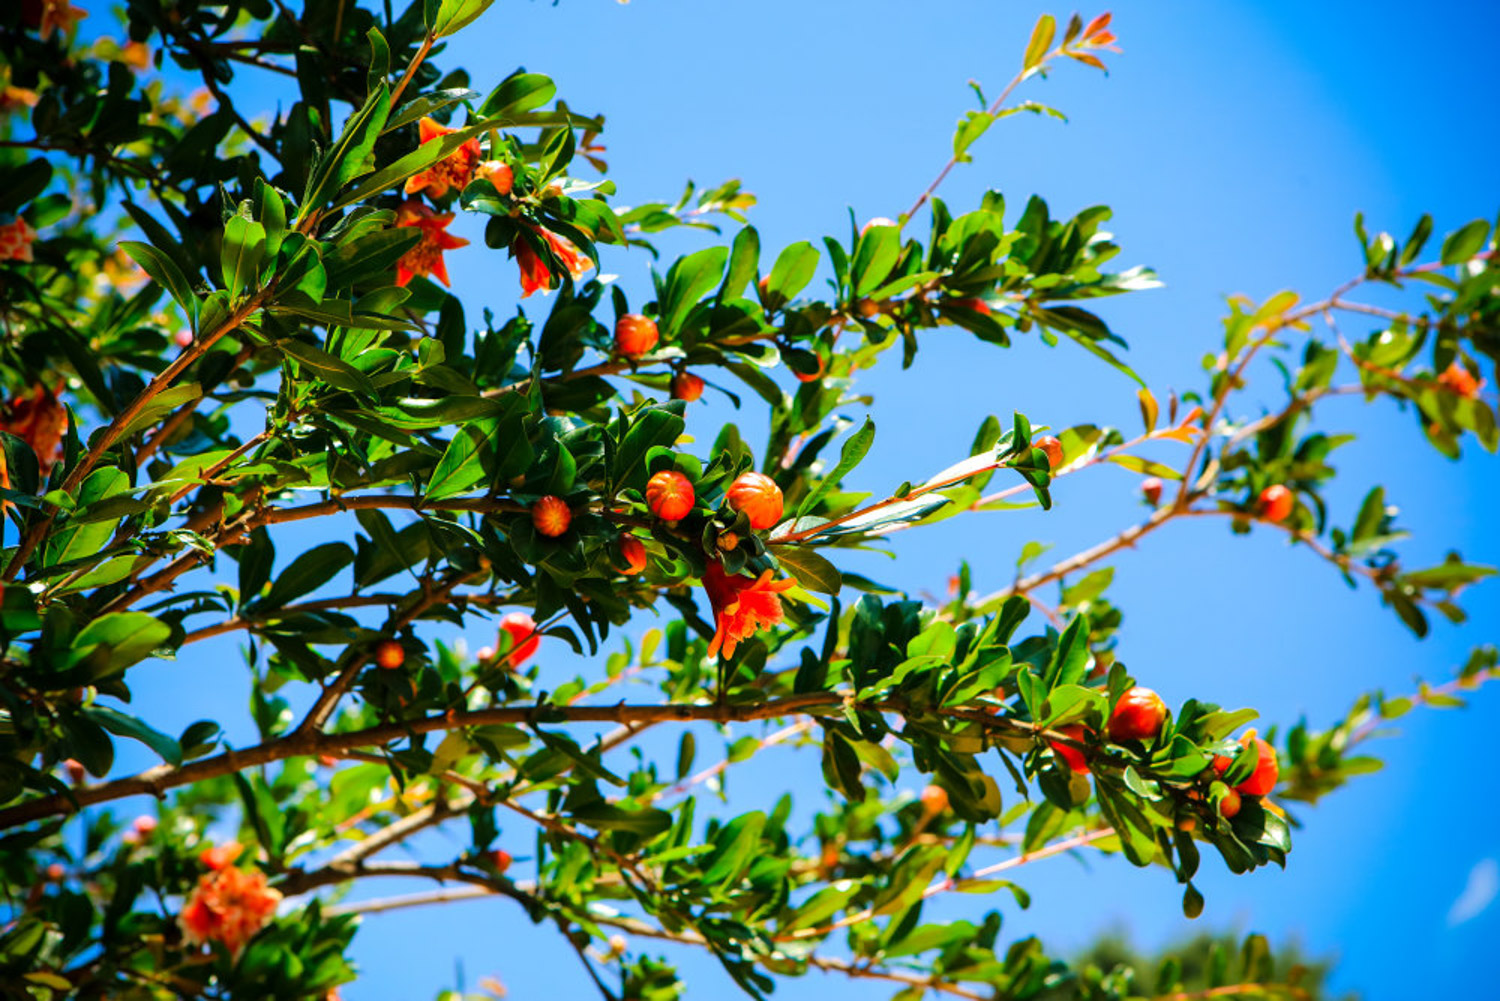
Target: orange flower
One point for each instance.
(498, 173)
(1457, 379)
(221, 856)
(228, 905)
(535, 274)
(136, 55)
(16, 238)
(49, 15)
(453, 171)
(39, 420)
(742, 605)
(426, 258)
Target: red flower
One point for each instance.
(426, 258)
(228, 905)
(742, 605)
(535, 273)
(453, 171)
(16, 238)
(39, 420)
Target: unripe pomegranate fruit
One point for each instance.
(758, 496)
(389, 655)
(183, 338)
(617, 945)
(1053, 448)
(145, 825)
(1230, 805)
(524, 637)
(977, 305)
(327, 760)
(1151, 490)
(1070, 754)
(686, 386)
(934, 800)
(670, 495)
(1275, 503)
(1138, 715)
(75, 770)
(635, 335)
(1457, 379)
(634, 553)
(485, 653)
(56, 872)
(1267, 768)
(500, 859)
(868, 308)
(551, 516)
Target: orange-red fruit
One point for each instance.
(75, 770)
(389, 655)
(758, 496)
(1138, 715)
(1151, 490)
(145, 825)
(327, 760)
(183, 338)
(56, 872)
(1457, 379)
(1053, 448)
(934, 800)
(1276, 503)
(634, 553)
(523, 637)
(977, 305)
(635, 335)
(812, 376)
(670, 495)
(1267, 768)
(551, 516)
(686, 386)
(500, 859)
(1072, 755)
(1230, 805)
(868, 308)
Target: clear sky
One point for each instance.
(1234, 141)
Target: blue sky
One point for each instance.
(1235, 142)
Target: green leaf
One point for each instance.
(518, 93)
(1070, 661)
(122, 725)
(793, 269)
(334, 371)
(602, 816)
(874, 256)
(123, 638)
(744, 259)
(1464, 243)
(307, 573)
(690, 279)
(240, 254)
(453, 15)
(811, 570)
(1040, 42)
(734, 850)
(652, 427)
(165, 273)
(467, 461)
(854, 452)
(970, 127)
(351, 155)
